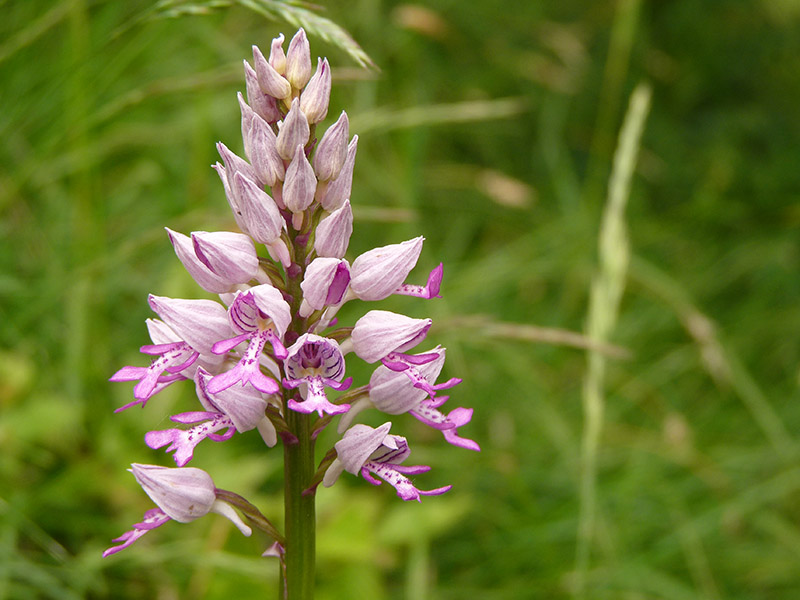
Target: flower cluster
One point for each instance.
(272, 343)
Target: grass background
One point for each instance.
(490, 128)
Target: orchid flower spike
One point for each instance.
(267, 352)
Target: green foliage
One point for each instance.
(492, 131)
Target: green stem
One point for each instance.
(297, 580)
(300, 515)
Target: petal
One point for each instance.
(378, 273)
(300, 183)
(231, 256)
(200, 272)
(184, 494)
(315, 98)
(244, 405)
(429, 290)
(358, 443)
(339, 189)
(294, 131)
(298, 60)
(331, 152)
(200, 323)
(316, 400)
(270, 81)
(153, 518)
(380, 332)
(332, 235)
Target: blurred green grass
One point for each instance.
(490, 129)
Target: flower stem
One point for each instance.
(297, 577)
(299, 511)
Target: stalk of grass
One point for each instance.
(605, 294)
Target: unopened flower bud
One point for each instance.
(294, 131)
(324, 283)
(276, 56)
(229, 195)
(261, 103)
(236, 164)
(247, 119)
(259, 214)
(260, 147)
(227, 254)
(338, 190)
(316, 96)
(333, 233)
(298, 60)
(379, 272)
(300, 183)
(332, 150)
(200, 272)
(270, 81)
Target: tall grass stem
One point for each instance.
(605, 294)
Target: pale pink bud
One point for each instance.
(262, 104)
(260, 147)
(325, 282)
(247, 119)
(298, 60)
(300, 183)
(315, 98)
(380, 332)
(200, 272)
(259, 215)
(229, 195)
(294, 131)
(236, 164)
(339, 189)
(227, 254)
(270, 81)
(333, 233)
(377, 273)
(332, 149)
(276, 56)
